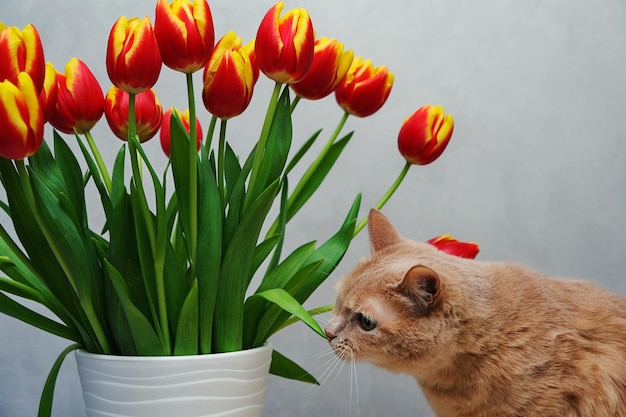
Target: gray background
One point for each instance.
(535, 171)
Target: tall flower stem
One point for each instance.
(193, 177)
(159, 277)
(220, 161)
(99, 161)
(260, 147)
(385, 197)
(209, 136)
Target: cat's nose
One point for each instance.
(329, 334)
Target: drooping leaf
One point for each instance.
(286, 368)
(47, 395)
(14, 309)
(281, 298)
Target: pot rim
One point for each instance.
(172, 358)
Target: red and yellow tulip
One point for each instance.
(284, 46)
(148, 113)
(80, 99)
(133, 59)
(365, 88)
(330, 66)
(165, 134)
(452, 246)
(425, 134)
(49, 91)
(229, 77)
(21, 51)
(184, 32)
(21, 118)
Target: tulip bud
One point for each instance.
(452, 246)
(364, 89)
(425, 134)
(229, 78)
(330, 66)
(165, 134)
(21, 51)
(284, 46)
(80, 99)
(21, 118)
(133, 60)
(148, 113)
(185, 34)
(49, 92)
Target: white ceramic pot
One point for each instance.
(223, 384)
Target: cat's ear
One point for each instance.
(382, 233)
(422, 285)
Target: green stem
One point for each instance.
(260, 148)
(295, 102)
(209, 135)
(386, 197)
(220, 161)
(193, 178)
(158, 257)
(101, 165)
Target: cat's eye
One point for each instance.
(366, 323)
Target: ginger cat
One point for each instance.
(482, 339)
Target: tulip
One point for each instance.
(364, 89)
(452, 246)
(21, 118)
(21, 51)
(49, 91)
(148, 113)
(184, 32)
(425, 134)
(80, 99)
(284, 46)
(165, 134)
(229, 78)
(330, 66)
(133, 60)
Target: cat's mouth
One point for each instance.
(342, 348)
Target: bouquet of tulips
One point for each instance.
(169, 271)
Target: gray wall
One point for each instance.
(535, 171)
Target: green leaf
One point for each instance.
(187, 328)
(276, 148)
(14, 309)
(272, 317)
(284, 300)
(286, 368)
(279, 276)
(143, 334)
(210, 247)
(72, 179)
(302, 151)
(307, 186)
(47, 395)
(236, 274)
(330, 253)
(263, 250)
